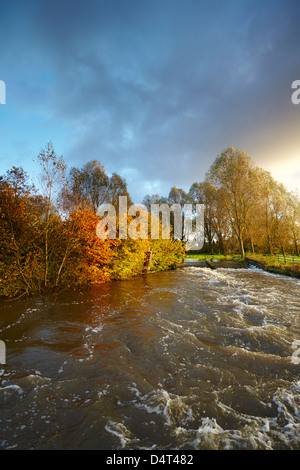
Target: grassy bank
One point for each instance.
(271, 264)
(204, 256)
(268, 263)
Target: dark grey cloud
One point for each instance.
(156, 89)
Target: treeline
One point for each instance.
(48, 238)
(245, 209)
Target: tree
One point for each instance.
(52, 178)
(293, 208)
(233, 173)
(88, 187)
(88, 259)
(203, 193)
(20, 271)
(117, 187)
(153, 199)
(178, 196)
(280, 221)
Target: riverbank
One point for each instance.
(235, 261)
(289, 270)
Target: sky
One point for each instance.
(153, 89)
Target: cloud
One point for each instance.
(155, 90)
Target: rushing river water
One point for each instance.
(188, 359)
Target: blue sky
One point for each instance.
(154, 89)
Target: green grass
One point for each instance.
(204, 256)
(269, 260)
(284, 260)
(270, 263)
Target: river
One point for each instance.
(187, 359)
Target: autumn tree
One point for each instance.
(52, 178)
(178, 196)
(280, 220)
(89, 185)
(234, 173)
(153, 199)
(88, 259)
(293, 210)
(117, 187)
(20, 271)
(203, 193)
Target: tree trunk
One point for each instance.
(221, 243)
(46, 248)
(242, 250)
(209, 238)
(296, 245)
(251, 245)
(270, 249)
(148, 261)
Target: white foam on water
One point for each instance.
(38, 379)
(11, 388)
(172, 408)
(95, 329)
(121, 432)
(258, 432)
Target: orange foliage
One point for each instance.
(89, 257)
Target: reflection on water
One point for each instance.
(191, 359)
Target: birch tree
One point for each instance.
(52, 178)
